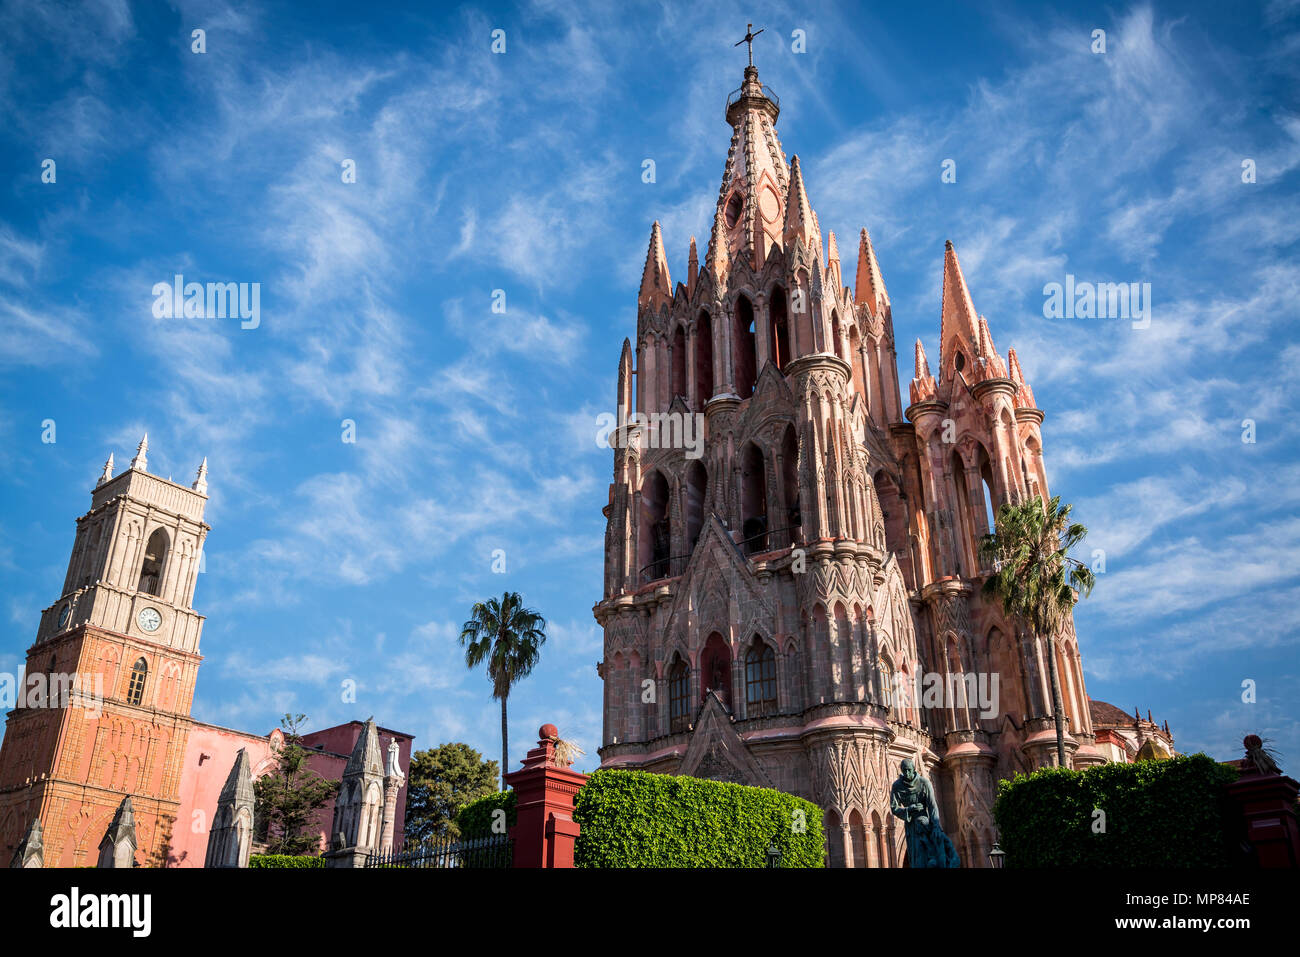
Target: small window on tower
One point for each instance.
(135, 691)
(735, 206)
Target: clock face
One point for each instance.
(149, 619)
(63, 615)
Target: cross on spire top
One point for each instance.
(749, 39)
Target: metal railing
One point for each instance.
(496, 851)
(768, 92)
(769, 541)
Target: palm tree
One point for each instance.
(509, 638)
(1034, 579)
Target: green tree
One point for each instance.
(1035, 580)
(441, 781)
(508, 638)
(289, 797)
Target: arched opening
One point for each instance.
(886, 683)
(703, 361)
(855, 354)
(753, 500)
(858, 842)
(878, 839)
(679, 363)
(760, 679)
(697, 482)
(715, 668)
(135, 690)
(790, 484)
(834, 839)
(780, 326)
(837, 339)
(891, 509)
(744, 356)
(679, 691)
(654, 541)
(155, 553)
(964, 518)
(843, 656)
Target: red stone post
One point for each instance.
(544, 831)
(1266, 800)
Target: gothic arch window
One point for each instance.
(779, 322)
(753, 500)
(837, 337)
(678, 386)
(703, 361)
(886, 683)
(679, 693)
(135, 690)
(715, 667)
(744, 357)
(653, 540)
(155, 554)
(760, 679)
(790, 484)
(964, 518)
(697, 483)
(735, 208)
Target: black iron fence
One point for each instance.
(483, 852)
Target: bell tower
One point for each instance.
(103, 712)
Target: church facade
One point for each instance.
(101, 761)
(777, 597)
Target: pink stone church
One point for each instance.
(775, 598)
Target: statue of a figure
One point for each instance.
(912, 799)
(393, 771)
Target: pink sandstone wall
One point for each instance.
(210, 754)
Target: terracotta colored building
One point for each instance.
(104, 711)
(779, 598)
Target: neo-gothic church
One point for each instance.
(770, 605)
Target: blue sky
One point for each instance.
(521, 171)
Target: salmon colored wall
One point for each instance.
(210, 754)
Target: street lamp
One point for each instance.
(997, 856)
(773, 854)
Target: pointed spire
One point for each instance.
(869, 286)
(656, 286)
(958, 317)
(141, 460)
(107, 474)
(31, 850)
(692, 269)
(833, 256)
(239, 782)
(799, 222)
(1024, 394)
(923, 384)
(201, 479)
(117, 847)
(718, 259)
(988, 353)
(625, 396)
(833, 264)
(365, 754)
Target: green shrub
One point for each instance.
(285, 860)
(475, 818)
(1172, 813)
(637, 819)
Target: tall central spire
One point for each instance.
(751, 201)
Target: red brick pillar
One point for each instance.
(544, 831)
(1267, 801)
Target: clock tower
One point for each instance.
(103, 712)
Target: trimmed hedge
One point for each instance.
(285, 860)
(1171, 813)
(475, 818)
(638, 819)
